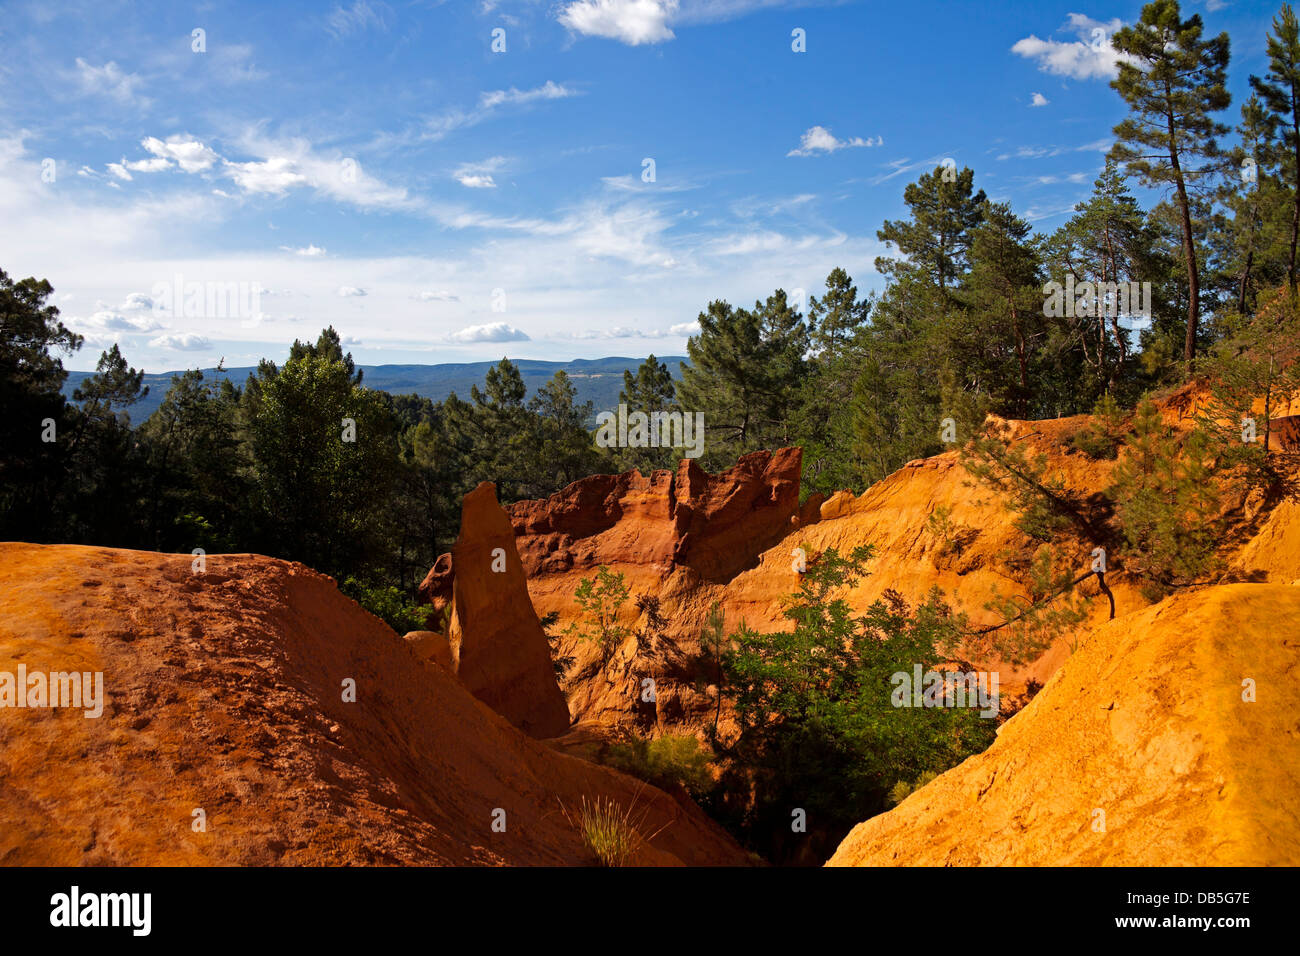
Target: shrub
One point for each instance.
(389, 604)
(902, 790)
(1102, 436)
(673, 759)
(600, 598)
(818, 728)
(1041, 503)
(1166, 503)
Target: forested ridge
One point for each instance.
(304, 461)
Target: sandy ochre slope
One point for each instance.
(225, 693)
(1145, 723)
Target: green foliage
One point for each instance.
(1251, 376)
(1279, 89)
(1108, 240)
(744, 374)
(817, 729)
(1103, 435)
(1166, 504)
(388, 604)
(1031, 623)
(651, 390)
(600, 599)
(952, 536)
(325, 459)
(667, 761)
(1173, 82)
(904, 789)
(1022, 481)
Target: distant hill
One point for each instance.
(597, 380)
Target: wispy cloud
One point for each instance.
(360, 16)
(107, 80)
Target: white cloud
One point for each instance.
(492, 332)
(685, 328)
(308, 251)
(189, 154)
(119, 170)
(819, 139)
(155, 165)
(1089, 57)
(274, 175)
(1038, 99)
(184, 342)
(440, 296)
(136, 301)
(479, 175)
(633, 22)
(347, 291)
(436, 127)
(107, 80)
(109, 320)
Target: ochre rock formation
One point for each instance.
(715, 525)
(1140, 751)
(627, 523)
(498, 647)
(225, 694)
(630, 523)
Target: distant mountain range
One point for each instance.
(597, 380)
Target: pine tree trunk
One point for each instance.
(1295, 212)
(1245, 280)
(1189, 251)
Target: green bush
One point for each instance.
(1101, 437)
(902, 790)
(389, 604)
(818, 727)
(674, 759)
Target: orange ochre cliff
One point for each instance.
(1156, 742)
(252, 714)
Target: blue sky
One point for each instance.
(379, 167)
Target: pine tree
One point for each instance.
(1005, 321)
(651, 390)
(1173, 89)
(944, 209)
(836, 322)
(1280, 89)
(1106, 241)
(744, 375)
(1166, 503)
(1249, 196)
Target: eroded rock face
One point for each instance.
(498, 647)
(1141, 751)
(716, 525)
(225, 692)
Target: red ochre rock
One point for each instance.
(498, 647)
